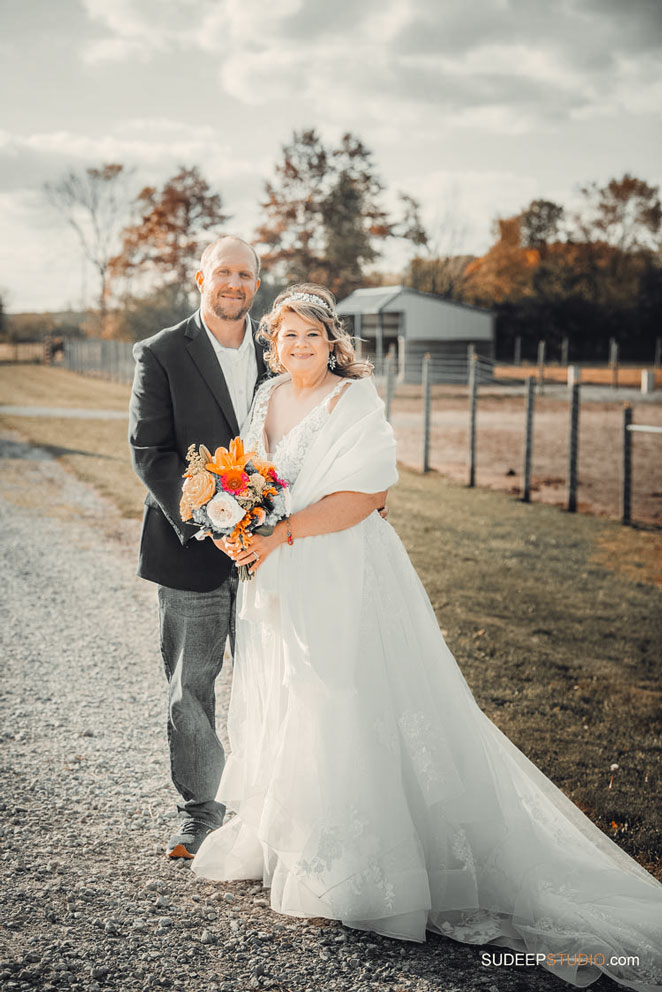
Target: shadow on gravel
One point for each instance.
(18, 449)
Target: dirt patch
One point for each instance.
(635, 554)
(500, 448)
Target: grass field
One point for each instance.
(555, 619)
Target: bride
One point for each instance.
(368, 786)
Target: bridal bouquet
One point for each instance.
(231, 493)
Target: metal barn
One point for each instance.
(410, 324)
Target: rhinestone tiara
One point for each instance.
(307, 298)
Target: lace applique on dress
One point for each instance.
(289, 454)
(335, 862)
(417, 731)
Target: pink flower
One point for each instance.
(274, 478)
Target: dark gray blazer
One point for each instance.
(179, 397)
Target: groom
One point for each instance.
(194, 384)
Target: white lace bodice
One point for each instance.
(292, 448)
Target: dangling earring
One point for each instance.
(333, 361)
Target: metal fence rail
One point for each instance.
(628, 429)
(107, 358)
(441, 370)
(113, 360)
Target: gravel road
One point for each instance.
(88, 899)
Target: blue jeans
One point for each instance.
(194, 630)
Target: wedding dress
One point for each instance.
(368, 785)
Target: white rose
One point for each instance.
(224, 511)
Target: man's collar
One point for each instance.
(246, 340)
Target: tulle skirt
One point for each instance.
(370, 788)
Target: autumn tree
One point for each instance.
(587, 277)
(619, 227)
(171, 228)
(626, 213)
(140, 316)
(540, 224)
(94, 203)
(324, 217)
(505, 273)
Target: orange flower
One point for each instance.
(234, 480)
(185, 510)
(197, 490)
(240, 529)
(233, 458)
(264, 468)
(259, 514)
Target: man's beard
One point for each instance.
(225, 310)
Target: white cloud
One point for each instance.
(39, 262)
(115, 50)
(632, 86)
(461, 206)
(148, 143)
(488, 109)
(504, 68)
(141, 27)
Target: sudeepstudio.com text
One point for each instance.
(524, 959)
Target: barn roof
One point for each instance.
(381, 298)
(369, 300)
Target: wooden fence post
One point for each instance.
(379, 345)
(390, 382)
(517, 358)
(565, 350)
(657, 361)
(626, 515)
(573, 448)
(613, 361)
(528, 439)
(541, 365)
(426, 413)
(473, 390)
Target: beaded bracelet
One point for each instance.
(290, 539)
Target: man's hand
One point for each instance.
(221, 544)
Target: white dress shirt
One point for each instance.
(239, 366)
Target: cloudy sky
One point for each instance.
(474, 107)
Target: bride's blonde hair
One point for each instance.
(318, 304)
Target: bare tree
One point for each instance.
(95, 204)
(441, 265)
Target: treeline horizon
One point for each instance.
(590, 275)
